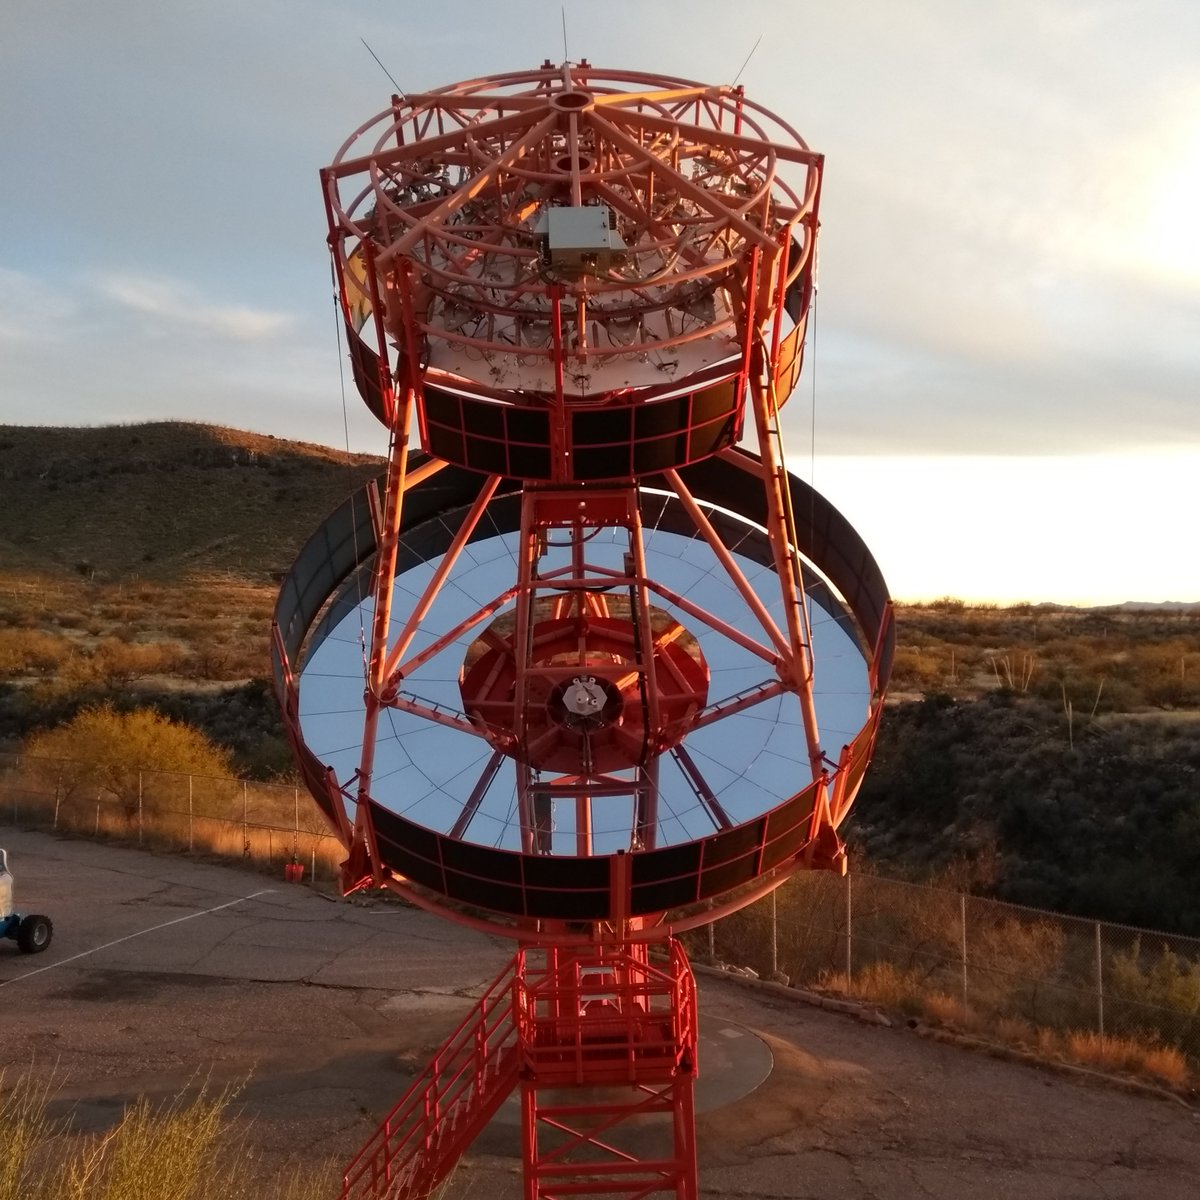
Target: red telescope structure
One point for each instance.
(579, 668)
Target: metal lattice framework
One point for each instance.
(560, 672)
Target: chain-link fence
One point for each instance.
(271, 824)
(925, 950)
(938, 953)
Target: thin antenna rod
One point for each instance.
(740, 69)
(388, 73)
(566, 55)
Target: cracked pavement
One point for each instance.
(327, 1008)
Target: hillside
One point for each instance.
(1000, 795)
(139, 564)
(163, 501)
(1086, 660)
(1048, 755)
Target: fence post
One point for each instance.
(1099, 982)
(245, 821)
(963, 906)
(191, 780)
(774, 934)
(139, 808)
(849, 935)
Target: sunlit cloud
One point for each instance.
(180, 304)
(1134, 217)
(1170, 235)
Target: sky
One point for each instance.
(1002, 389)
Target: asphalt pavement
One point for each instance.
(166, 969)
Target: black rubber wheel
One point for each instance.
(35, 933)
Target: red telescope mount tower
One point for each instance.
(579, 668)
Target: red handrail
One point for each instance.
(464, 1075)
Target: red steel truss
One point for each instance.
(572, 287)
(594, 1040)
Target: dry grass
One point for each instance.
(1013, 1031)
(1168, 1064)
(883, 984)
(320, 855)
(946, 1010)
(189, 1150)
(26, 1130)
(1128, 1055)
(889, 987)
(65, 635)
(274, 832)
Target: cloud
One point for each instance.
(180, 304)
(31, 311)
(93, 348)
(1009, 257)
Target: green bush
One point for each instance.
(1159, 997)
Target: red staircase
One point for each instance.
(598, 1038)
(424, 1136)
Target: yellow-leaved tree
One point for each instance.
(140, 759)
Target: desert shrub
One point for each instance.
(117, 663)
(30, 650)
(213, 659)
(916, 929)
(1170, 672)
(1061, 811)
(1015, 965)
(103, 752)
(806, 919)
(916, 668)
